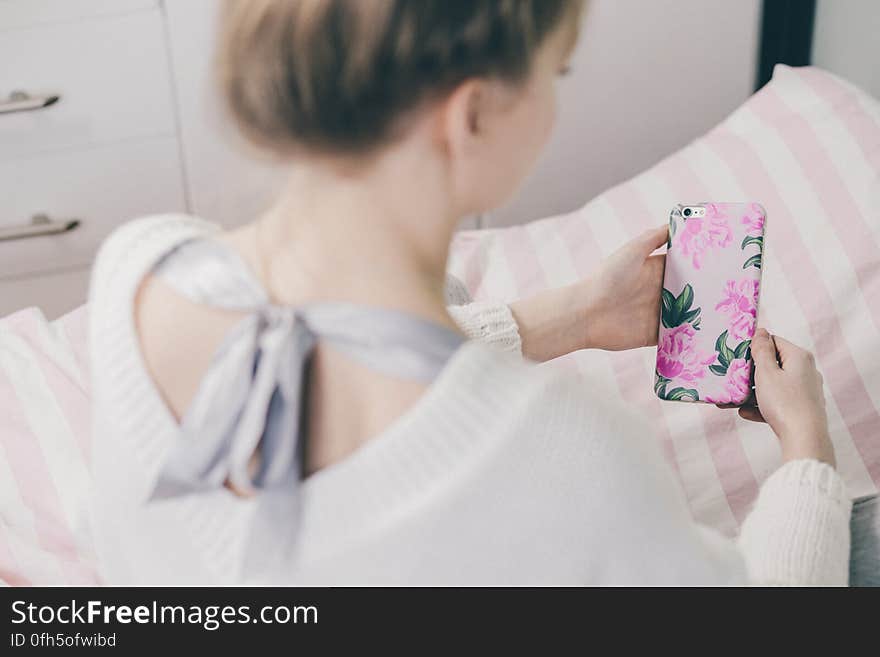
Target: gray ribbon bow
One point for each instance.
(251, 396)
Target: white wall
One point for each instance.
(846, 41)
(648, 77)
(227, 182)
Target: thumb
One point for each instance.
(652, 239)
(764, 351)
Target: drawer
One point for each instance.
(101, 187)
(111, 76)
(21, 13)
(54, 294)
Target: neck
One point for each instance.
(377, 236)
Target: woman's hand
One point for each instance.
(624, 294)
(788, 388)
(617, 307)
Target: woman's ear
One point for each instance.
(461, 118)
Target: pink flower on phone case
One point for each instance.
(754, 220)
(740, 304)
(679, 357)
(709, 304)
(737, 383)
(701, 236)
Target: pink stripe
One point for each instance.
(75, 326)
(73, 401)
(733, 469)
(634, 215)
(632, 379)
(855, 236)
(10, 570)
(38, 491)
(525, 267)
(737, 479)
(470, 246)
(849, 109)
(804, 278)
(681, 179)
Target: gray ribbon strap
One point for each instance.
(251, 395)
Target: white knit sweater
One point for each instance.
(504, 472)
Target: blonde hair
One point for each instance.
(336, 75)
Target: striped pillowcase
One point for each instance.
(44, 450)
(807, 147)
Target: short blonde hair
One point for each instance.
(336, 75)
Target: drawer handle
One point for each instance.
(39, 226)
(20, 101)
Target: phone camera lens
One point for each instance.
(687, 212)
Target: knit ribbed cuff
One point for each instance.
(809, 477)
(490, 323)
(798, 532)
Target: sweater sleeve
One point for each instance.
(488, 322)
(798, 531)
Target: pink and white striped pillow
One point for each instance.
(807, 147)
(44, 450)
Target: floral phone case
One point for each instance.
(709, 303)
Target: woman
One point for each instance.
(294, 402)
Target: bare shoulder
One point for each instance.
(177, 339)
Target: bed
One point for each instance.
(807, 146)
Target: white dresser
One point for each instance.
(92, 134)
(88, 139)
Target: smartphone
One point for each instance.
(709, 303)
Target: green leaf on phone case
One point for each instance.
(667, 300)
(676, 394)
(751, 239)
(660, 384)
(683, 302)
(690, 316)
(676, 310)
(742, 350)
(754, 261)
(679, 394)
(728, 354)
(720, 370)
(725, 355)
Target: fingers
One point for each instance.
(764, 351)
(236, 490)
(653, 238)
(747, 412)
(774, 352)
(788, 351)
(751, 413)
